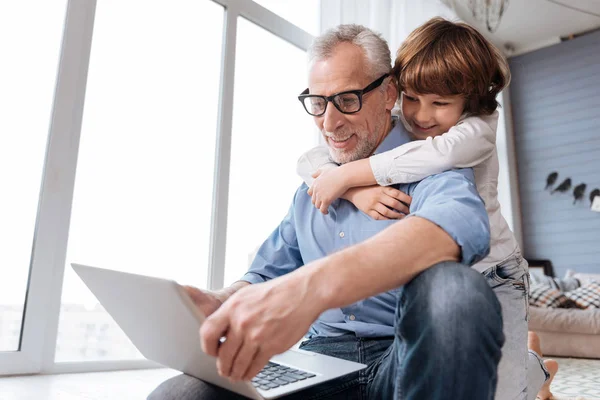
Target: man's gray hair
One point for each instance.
(376, 49)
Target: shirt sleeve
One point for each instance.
(313, 160)
(279, 254)
(450, 200)
(466, 144)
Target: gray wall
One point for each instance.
(555, 97)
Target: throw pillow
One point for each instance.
(542, 295)
(587, 296)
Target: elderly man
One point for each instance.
(395, 295)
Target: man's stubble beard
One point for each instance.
(365, 146)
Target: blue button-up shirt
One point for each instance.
(450, 200)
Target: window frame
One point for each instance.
(43, 300)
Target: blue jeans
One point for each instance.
(447, 345)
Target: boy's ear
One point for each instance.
(391, 94)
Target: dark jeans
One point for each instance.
(447, 345)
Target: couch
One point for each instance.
(568, 332)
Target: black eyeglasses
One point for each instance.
(348, 102)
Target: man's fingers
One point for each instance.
(316, 174)
(310, 191)
(243, 361)
(227, 354)
(397, 194)
(212, 330)
(260, 360)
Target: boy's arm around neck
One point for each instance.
(469, 143)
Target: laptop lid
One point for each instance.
(163, 333)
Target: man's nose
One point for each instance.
(332, 119)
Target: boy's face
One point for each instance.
(429, 114)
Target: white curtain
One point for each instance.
(394, 19)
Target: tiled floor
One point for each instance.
(576, 379)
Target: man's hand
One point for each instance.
(328, 186)
(258, 322)
(380, 202)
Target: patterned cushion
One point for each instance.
(564, 285)
(587, 296)
(546, 296)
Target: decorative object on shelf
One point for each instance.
(488, 11)
(578, 192)
(551, 179)
(563, 187)
(595, 204)
(594, 193)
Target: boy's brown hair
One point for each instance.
(447, 58)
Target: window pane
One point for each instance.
(143, 190)
(270, 131)
(30, 39)
(305, 14)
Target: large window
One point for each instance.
(267, 140)
(304, 13)
(30, 48)
(142, 152)
(143, 190)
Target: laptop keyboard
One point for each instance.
(274, 375)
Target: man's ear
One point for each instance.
(391, 94)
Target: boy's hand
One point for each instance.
(328, 186)
(380, 202)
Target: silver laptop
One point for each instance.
(163, 323)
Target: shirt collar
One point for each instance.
(397, 137)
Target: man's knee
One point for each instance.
(449, 293)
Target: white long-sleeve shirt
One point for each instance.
(470, 143)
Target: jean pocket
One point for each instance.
(509, 271)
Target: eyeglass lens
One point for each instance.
(346, 103)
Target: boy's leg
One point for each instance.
(540, 372)
(510, 283)
(448, 339)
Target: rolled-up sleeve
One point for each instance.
(279, 254)
(451, 201)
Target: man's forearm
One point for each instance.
(384, 262)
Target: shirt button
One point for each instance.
(342, 234)
(352, 317)
(389, 180)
